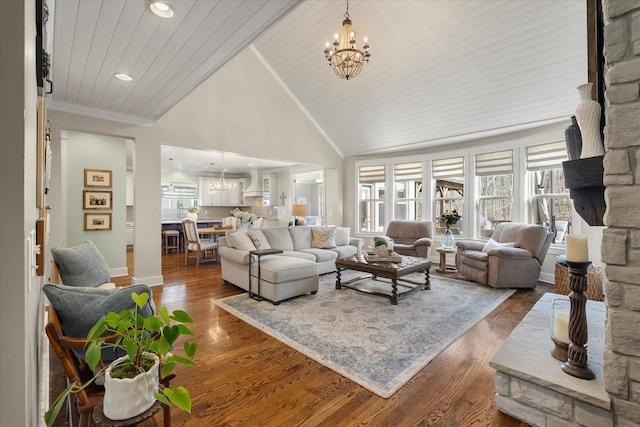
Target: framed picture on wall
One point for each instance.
(97, 221)
(97, 178)
(93, 199)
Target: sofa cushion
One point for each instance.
(279, 238)
(323, 237)
(239, 239)
(300, 254)
(280, 269)
(258, 238)
(343, 236)
(492, 244)
(81, 265)
(321, 255)
(345, 251)
(301, 236)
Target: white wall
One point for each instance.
(106, 153)
(21, 307)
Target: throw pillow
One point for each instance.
(258, 239)
(241, 240)
(79, 308)
(323, 238)
(81, 265)
(343, 237)
(492, 244)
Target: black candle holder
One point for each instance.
(576, 363)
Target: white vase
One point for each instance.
(128, 397)
(588, 116)
(192, 215)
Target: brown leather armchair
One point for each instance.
(410, 237)
(514, 262)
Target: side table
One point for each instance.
(259, 253)
(100, 420)
(444, 268)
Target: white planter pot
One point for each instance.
(193, 216)
(129, 397)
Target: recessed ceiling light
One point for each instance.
(161, 9)
(124, 77)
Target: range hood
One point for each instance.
(255, 188)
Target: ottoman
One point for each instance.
(284, 277)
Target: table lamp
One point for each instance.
(299, 211)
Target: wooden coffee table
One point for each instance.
(387, 270)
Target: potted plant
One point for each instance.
(448, 219)
(147, 343)
(192, 213)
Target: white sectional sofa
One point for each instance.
(307, 252)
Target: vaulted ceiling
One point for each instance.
(440, 71)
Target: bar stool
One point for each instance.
(170, 240)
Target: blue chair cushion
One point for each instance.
(79, 308)
(81, 265)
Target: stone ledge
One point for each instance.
(526, 354)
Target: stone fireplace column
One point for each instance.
(621, 239)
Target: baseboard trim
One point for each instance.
(151, 281)
(547, 278)
(119, 272)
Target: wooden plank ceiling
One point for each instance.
(440, 71)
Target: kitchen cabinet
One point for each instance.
(232, 197)
(269, 190)
(129, 189)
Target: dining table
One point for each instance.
(214, 232)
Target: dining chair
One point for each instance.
(230, 221)
(193, 243)
(258, 223)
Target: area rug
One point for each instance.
(364, 337)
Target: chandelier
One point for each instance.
(222, 184)
(345, 58)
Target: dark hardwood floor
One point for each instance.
(247, 378)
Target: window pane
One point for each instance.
(554, 213)
(493, 212)
(372, 198)
(409, 209)
(496, 185)
(442, 206)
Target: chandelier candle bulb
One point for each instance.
(577, 248)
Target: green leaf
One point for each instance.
(163, 346)
(183, 360)
(164, 313)
(152, 323)
(190, 348)
(171, 333)
(185, 331)
(179, 396)
(132, 348)
(141, 299)
(93, 354)
(112, 319)
(51, 415)
(162, 398)
(168, 368)
(181, 316)
(96, 330)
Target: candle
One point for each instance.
(561, 326)
(577, 248)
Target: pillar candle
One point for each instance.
(561, 326)
(577, 248)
